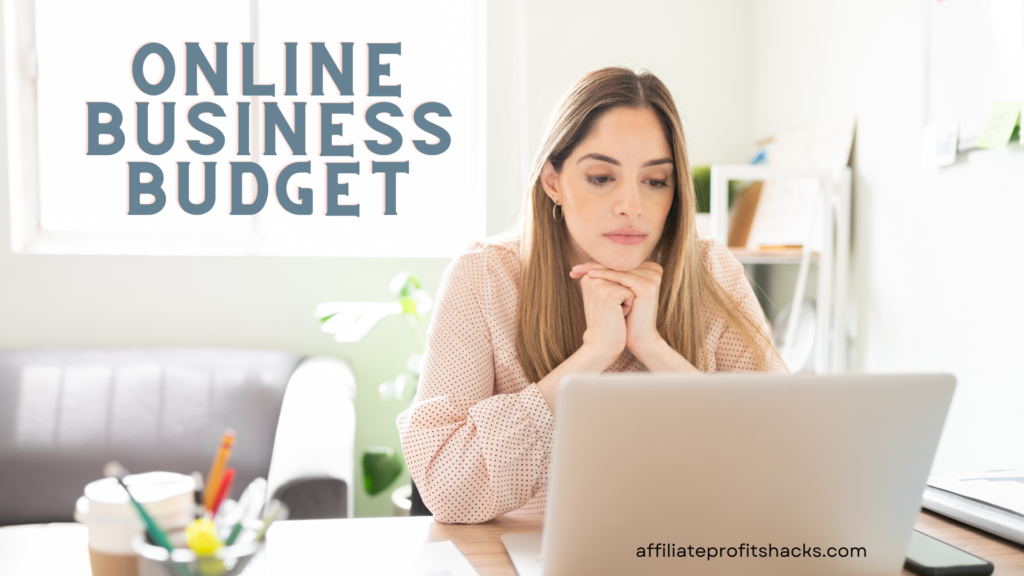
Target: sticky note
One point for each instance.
(999, 126)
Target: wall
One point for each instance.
(699, 48)
(935, 272)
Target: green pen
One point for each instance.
(113, 469)
(235, 531)
(248, 507)
(275, 510)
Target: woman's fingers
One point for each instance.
(643, 280)
(635, 292)
(581, 270)
(627, 301)
(647, 269)
(651, 266)
(639, 283)
(610, 291)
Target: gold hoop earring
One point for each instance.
(561, 213)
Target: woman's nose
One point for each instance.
(628, 201)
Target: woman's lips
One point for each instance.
(627, 236)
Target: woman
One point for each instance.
(608, 274)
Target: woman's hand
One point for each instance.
(606, 306)
(642, 336)
(622, 312)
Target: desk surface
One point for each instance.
(60, 549)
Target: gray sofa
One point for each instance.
(64, 413)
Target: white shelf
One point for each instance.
(833, 257)
(786, 256)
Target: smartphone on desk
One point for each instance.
(930, 557)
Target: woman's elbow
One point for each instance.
(447, 515)
(453, 506)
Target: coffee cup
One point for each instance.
(113, 521)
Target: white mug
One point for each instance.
(113, 521)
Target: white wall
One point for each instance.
(699, 48)
(936, 271)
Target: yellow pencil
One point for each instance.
(227, 442)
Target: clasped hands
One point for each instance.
(621, 308)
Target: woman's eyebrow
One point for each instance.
(656, 162)
(611, 160)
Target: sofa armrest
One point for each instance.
(315, 441)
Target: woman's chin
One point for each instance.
(622, 262)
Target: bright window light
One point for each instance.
(61, 56)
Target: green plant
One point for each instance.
(381, 466)
(702, 188)
(350, 322)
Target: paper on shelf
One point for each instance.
(786, 209)
(999, 126)
(442, 559)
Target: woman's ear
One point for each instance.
(549, 179)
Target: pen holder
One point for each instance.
(226, 561)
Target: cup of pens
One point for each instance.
(219, 537)
(212, 560)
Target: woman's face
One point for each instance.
(615, 189)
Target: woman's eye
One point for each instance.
(598, 180)
(658, 183)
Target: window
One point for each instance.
(62, 56)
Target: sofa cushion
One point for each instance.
(64, 413)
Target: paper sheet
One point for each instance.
(381, 546)
(524, 548)
(1004, 489)
(999, 126)
(442, 559)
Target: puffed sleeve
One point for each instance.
(731, 352)
(473, 454)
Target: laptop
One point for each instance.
(736, 474)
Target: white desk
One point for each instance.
(328, 546)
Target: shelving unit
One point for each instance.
(831, 260)
(787, 256)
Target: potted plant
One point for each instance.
(350, 322)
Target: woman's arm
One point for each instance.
(660, 357)
(593, 359)
(473, 454)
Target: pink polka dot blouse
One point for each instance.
(478, 437)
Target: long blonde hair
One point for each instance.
(549, 319)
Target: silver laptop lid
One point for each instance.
(671, 474)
